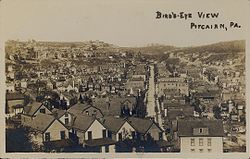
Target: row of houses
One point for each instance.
(86, 126)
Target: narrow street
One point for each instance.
(151, 94)
(159, 108)
(152, 99)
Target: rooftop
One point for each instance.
(215, 127)
(14, 96)
(42, 121)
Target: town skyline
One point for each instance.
(93, 97)
(115, 45)
(120, 23)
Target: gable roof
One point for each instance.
(112, 123)
(141, 125)
(82, 122)
(80, 107)
(32, 108)
(68, 95)
(215, 127)
(185, 111)
(207, 93)
(42, 122)
(58, 113)
(115, 104)
(14, 96)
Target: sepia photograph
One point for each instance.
(115, 78)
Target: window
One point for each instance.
(133, 134)
(89, 135)
(47, 136)
(200, 142)
(87, 112)
(104, 133)
(209, 142)
(200, 130)
(109, 134)
(120, 136)
(209, 150)
(62, 134)
(107, 148)
(192, 142)
(192, 150)
(201, 150)
(42, 110)
(66, 115)
(148, 136)
(66, 121)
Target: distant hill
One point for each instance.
(152, 49)
(221, 47)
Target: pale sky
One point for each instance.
(124, 23)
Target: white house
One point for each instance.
(200, 136)
(87, 128)
(31, 111)
(91, 133)
(118, 128)
(46, 128)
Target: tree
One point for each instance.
(217, 112)
(17, 140)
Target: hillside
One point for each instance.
(153, 49)
(221, 47)
(102, 47)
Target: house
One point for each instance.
(68, 99)
(14, 103)
(146, 129)
(50, 85)
(23, 84)
(85, 109)
(240, 107)
(86, 130)
(173, 113)
(119, 129)
(62, 115)
(173, 83)
(10, 75)
(234, 117)
(114, 105)
(71, 87)
(200, 136)
(46, 128)
(31, 110)
(10, 86)
(207, 95)
(135, 84)
(68, 87)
